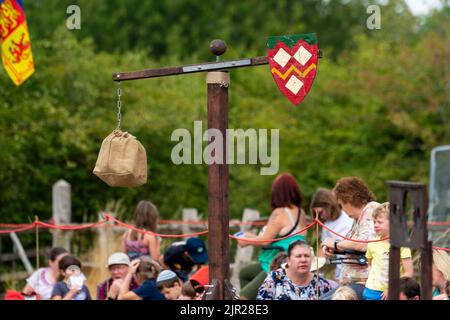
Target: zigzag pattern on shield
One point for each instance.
(293, 64)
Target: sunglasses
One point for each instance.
(198, 288)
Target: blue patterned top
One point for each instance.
(278, 286)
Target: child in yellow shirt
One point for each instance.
(378, 258)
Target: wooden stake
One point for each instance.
(218, 216)
(36, 219)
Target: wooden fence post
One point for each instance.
(105, 238)
(189, 214)
(399, 235)
(62, 212)
(23, 256)
(243, 254)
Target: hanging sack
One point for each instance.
(122, 161)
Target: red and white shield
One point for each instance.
(293, 65)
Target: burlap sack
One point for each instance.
(122, 161)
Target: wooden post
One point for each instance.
(426, 285)
(14, 266)
(1, 264)
(243, 254)
(398, 191)
(62, 212)
(103, 239)
(394, 273)
(189, 214)
(23, 256)
(218, 217)
(419, 201)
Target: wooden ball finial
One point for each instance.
(218, 47)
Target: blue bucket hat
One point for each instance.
(197, 250)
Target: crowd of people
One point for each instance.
(350, 210)
(138, 272)
(287, 268)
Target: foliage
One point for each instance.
(378, 106)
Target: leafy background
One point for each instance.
(379, 104)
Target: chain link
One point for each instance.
(119, 106)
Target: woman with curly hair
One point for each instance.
(358, 201)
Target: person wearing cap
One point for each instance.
(118, 265)
(169, 284)
(295, 281)
(182, 257)
(199, 281)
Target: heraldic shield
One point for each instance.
(293, 64)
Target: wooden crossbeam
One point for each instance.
(218, 208)
(193, 68)
(203, 67)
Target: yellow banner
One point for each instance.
(16, 49)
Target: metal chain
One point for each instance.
(119, 106)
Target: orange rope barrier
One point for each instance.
(154, 233)
(37, 223)
(438, 223)
(234, 223)
(244, 223)
(13, 225)
(439, 248)
(349, 239)
(29, 227)
(68, 227)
